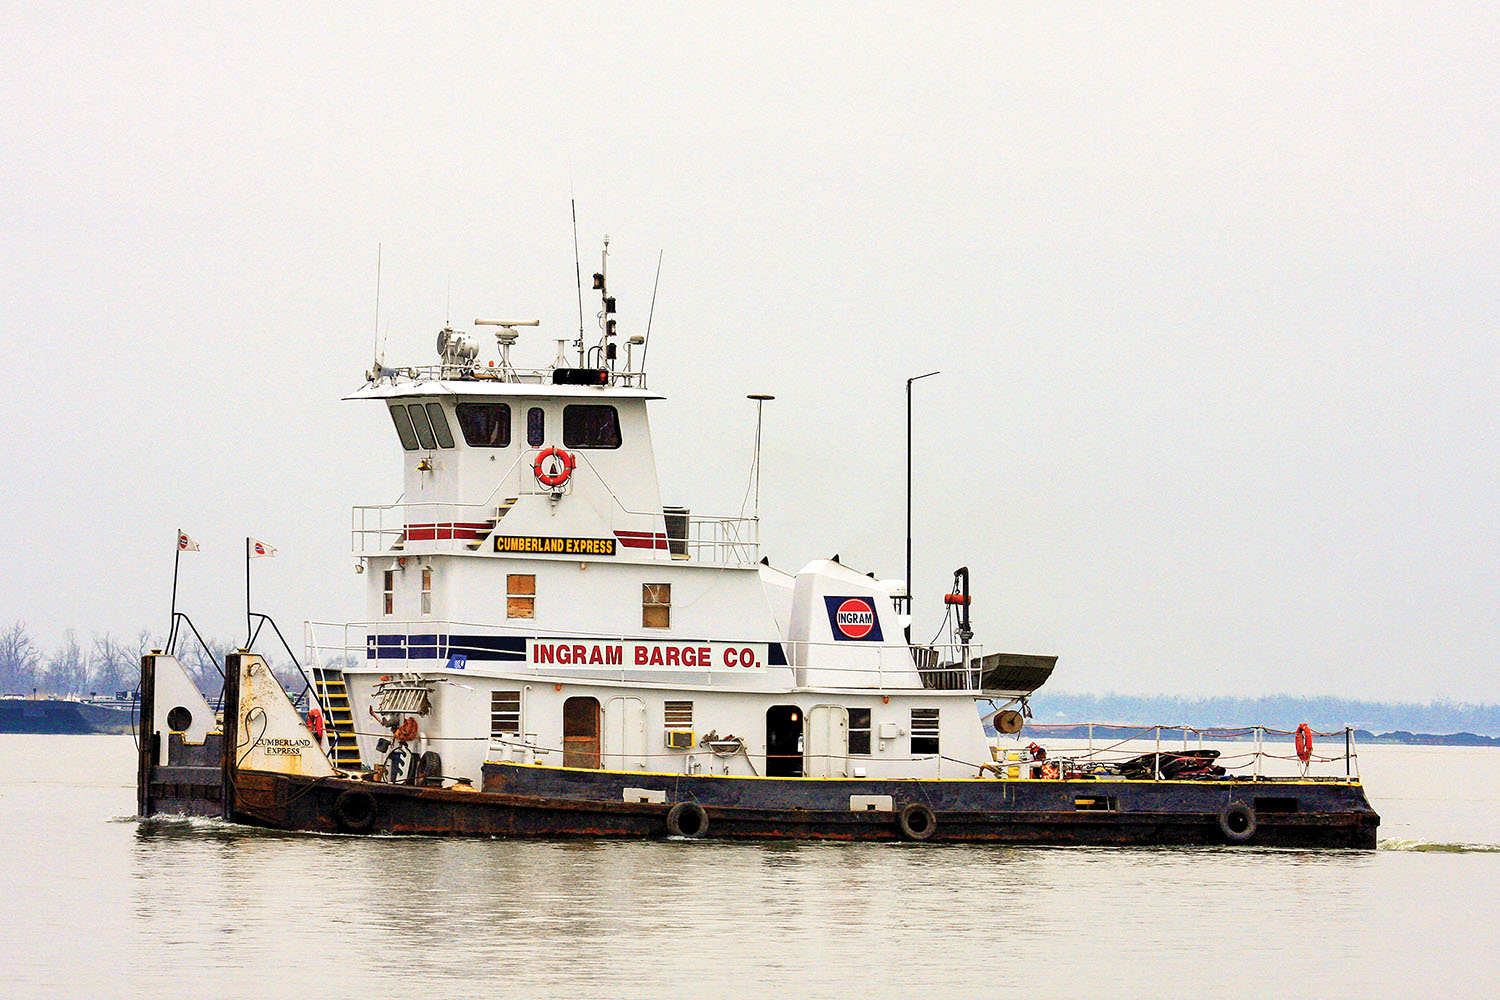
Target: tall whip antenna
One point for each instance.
(652, 314)
(378, 249)
(577, 269)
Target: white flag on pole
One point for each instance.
(184, 543)
(258, 548)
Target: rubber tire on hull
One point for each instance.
(354, 810)
(696, 820)
(917, 821)
(1237, 822)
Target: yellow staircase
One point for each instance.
(335, 698)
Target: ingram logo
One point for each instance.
(853, 618)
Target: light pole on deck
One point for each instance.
(908, 501)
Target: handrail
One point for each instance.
(1092, 759)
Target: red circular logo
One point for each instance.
(855, 618)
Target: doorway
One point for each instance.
(784, 741)
(581, 733)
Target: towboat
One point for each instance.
(551, 648)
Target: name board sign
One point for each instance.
(592, 652)
(543, 545)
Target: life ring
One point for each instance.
(1304, 743)
(354, 810)
(917, 821)
(1237, 822)
(687, 819)
(554, 479)
(315, 723)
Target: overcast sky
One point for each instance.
(1213, 288)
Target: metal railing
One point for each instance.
(1152, 753)
(497, 373)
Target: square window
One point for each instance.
(656, 605)
(924, 731)
(859, 730)
(520, 595)
(505, 712)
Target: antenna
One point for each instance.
(760, 402)
(577, 269)
(378, 248)
(646, 341)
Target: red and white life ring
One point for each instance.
(1304, 743)
(560, 472)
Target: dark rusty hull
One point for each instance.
(523, 801)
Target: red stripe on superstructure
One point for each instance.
(642, 539)
(450, 530)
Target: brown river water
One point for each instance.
(105, 906)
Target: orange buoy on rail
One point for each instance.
(1304, 743)
(315, 722)
(559, 473)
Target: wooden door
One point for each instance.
(581, 732)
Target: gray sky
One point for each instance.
(1213, 289)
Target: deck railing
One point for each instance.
(1165, 752)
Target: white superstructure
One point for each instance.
(532, 598)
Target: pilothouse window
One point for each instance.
(591, 426)
(403, 428)
(423, 428)
(536, 426)
(485, 425)
(440, 425)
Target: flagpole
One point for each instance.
(247, 592)
(176, 559)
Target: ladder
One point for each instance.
(335, 696)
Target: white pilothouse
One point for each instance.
(532, 600)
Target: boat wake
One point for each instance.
(1425, 847)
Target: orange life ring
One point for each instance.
(1304, 743)
(315, 722)
(558, 477)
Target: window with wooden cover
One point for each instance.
(520, 595)
(389, 592)
(924, 731)
(656, 605)
(505, 713)
(859, 730)
(426, 590)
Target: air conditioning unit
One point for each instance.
(679, 739)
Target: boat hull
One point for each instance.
(524, 801)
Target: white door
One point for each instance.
(827, 742)
(625, 734)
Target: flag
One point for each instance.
(184, 543)
(258, 548)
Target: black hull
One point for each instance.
(57, 717)
(1327, 815)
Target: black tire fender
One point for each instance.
(354, 810)
(687, 819)
(1237, 822)
(917, 821)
